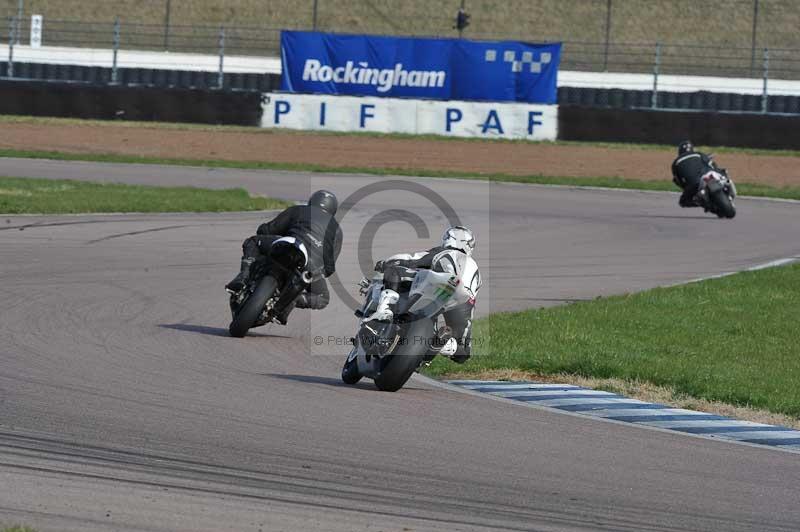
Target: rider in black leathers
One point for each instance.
(314, 225)
(687, 172)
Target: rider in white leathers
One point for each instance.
(453, 256)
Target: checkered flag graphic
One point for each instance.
(510, 56)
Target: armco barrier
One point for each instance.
(142, 77)
(130, 103)
(670, 127)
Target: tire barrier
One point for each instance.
(142, 77)
(696, 101)
(670, 127)
(111, 102)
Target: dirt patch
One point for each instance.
(355, 151)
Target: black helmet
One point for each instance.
(324, 200)
(685, 147)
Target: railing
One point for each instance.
(598, 56)
(657, 60)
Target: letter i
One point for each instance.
(322, 108)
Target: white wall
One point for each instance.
(272, 65)
(609, 80)
(57, 55)
(421, 117)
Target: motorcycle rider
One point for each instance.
(451, 256)
(687, 172)
(314, 225)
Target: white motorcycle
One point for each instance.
(389, 352)
(717, 193)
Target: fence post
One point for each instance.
(656, 68)
(608, 35)
(221, 74)
(314, 16)
(20, 14)
(115, 51)
(765, 94)
(753, 39)
(167, 12)
(12, 24)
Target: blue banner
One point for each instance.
(405, 67)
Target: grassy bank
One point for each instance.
(731, 340)
(47, 196)
(744, 189)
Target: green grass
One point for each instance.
(732, 340)
(17, 528)
(745, 189)
(47, 196)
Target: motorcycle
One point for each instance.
(717, 193)
(390, 352)
(274, 285)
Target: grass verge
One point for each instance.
(730, 340)
(48, 196)
(744, 189)
(17, 528)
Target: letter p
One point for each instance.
(453, 115)
(282, 107)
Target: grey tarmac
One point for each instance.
(125, 406)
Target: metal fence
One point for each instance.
(175, 24)
(597, 56)
(604, 55)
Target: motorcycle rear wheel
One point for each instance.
(723, 204)
(251, 309)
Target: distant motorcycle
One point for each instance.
(274, 284)
(717, 193)
(390, 352)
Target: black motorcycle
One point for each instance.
(275, 282)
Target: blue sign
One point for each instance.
(405, 67)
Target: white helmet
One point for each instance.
(459, 237)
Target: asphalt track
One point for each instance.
(124, 405)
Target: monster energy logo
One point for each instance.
(444, 291)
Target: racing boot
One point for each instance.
(688, 199)
(384, 312)
(443, 335)
(701, 199)
(240, 281)
(440, 342)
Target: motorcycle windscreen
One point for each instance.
(434, 290)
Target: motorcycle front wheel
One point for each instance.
(407, 356)
(251, 309)
(350, 373)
